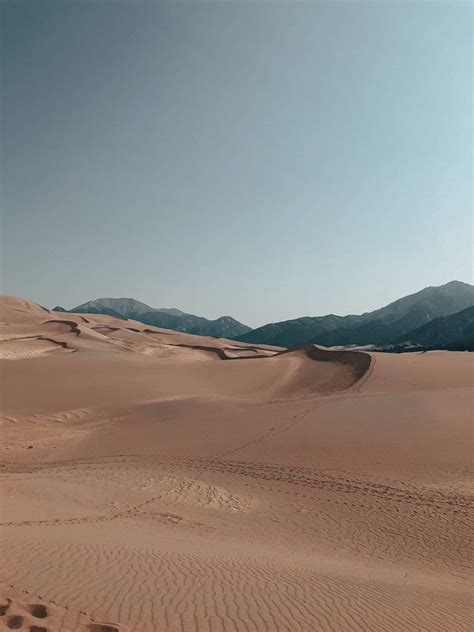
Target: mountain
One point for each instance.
(388, 325)
(373, 332)
(223, 327)
(427, 304)
(289, 333)
(125, 307)
(167, 318)
(455, 331)
(379, 327)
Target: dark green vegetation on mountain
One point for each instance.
(454, 332)
(389, 324)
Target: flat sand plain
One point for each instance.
(158, 481)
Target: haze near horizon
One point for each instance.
(259, 160)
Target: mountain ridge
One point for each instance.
(391, 324)
(381, 326)
(164, 317)
(454, 331)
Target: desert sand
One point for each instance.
(158, 481)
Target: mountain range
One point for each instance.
(167, 318)
(435, 317)
(393, 324)
(454, 332)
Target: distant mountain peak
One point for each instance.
(165, 317)
(123, 306)
(380, 326)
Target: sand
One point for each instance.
(158, 481)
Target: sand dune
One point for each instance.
(159, 481)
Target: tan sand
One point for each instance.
(158, 481)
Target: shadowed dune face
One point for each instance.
(154, 480)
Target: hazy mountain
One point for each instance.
(456, 330)
(388, 325)
(289, 333)
(381, 326)
(167, 318)
(223, 327)
(427, 304)
(125, 307)
(373, 332)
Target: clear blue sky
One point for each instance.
(264, 160)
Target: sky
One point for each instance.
(256, 159)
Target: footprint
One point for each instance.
(38, 610)
(4, 607)
(102, 627)
(14, 622)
